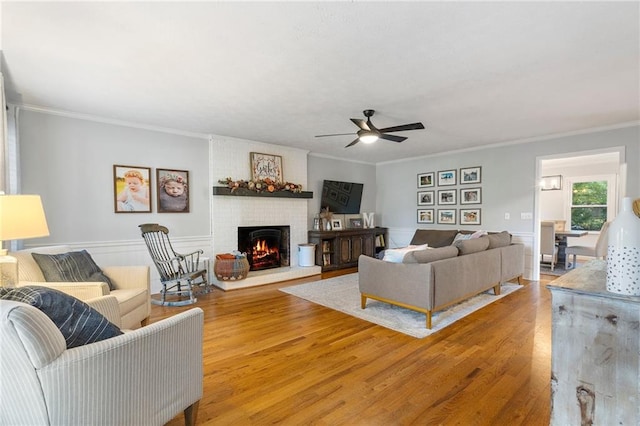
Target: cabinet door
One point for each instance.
(356, 247)
(344, 248)
(368, 245)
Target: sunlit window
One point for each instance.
(591, 202)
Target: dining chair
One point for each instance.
(599, 251)
(548, 244)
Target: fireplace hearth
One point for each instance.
(266, 246)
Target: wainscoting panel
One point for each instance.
(134, 252)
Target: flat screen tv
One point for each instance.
(341, 197)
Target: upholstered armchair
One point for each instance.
(142, 377)
(131, 285)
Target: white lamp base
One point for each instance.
(8, 270)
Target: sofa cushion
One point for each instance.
(397, 255)
(499, 239)
(73, 266)
(434, 237)
(431, 255)
(78, 322)
(472, 245)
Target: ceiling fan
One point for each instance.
(368, 133)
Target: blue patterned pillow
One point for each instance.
(75, 266)
(78, 322)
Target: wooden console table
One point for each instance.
(595, 367)
(341, 249)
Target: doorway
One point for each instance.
(557, 204)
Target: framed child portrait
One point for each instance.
(131, 189)
(173, 191)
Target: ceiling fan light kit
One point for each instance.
(366, 136)
(368, 133)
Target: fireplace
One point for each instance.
(266, 246)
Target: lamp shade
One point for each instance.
(22, 216)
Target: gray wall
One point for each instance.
(69, 162)
(508, 178)
(321, 168)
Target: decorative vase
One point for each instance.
(623, 252)
(327, 225)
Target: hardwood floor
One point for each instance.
(272, 358)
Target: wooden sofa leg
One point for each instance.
(520, 280)
(429, 320)
(191, 414)
(363, 301)
(496, 289)
(144, 322)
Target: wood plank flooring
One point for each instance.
(272, 358)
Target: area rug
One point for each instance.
(342, 294)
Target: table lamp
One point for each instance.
(21, 217)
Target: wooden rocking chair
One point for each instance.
(180, 274)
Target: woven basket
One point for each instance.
(231, 269)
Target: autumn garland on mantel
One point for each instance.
(261, 185)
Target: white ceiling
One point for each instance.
(474, 73)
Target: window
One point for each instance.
(591, 202)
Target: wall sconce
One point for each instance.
(551, 183)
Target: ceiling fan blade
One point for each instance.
(353, 143)
(334, 134)
(412, 126)
(360, 123)
(393, 138)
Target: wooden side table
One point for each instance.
(595, 367)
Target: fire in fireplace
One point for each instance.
(266, 246)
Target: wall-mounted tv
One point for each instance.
(341, 197)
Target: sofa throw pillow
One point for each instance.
(74, 266)
(427, 256)
(78, 322)
(397, 255)
(473, 245)
(500, 239)
(461, 237)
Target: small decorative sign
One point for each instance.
(266, 166)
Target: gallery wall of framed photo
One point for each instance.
(450, 196)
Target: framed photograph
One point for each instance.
(425, 180)
(425, 216)
(447, 177)
(266, 166)
(355, 223)
(446, 197)
(471, 175)
(425, 198)
(336, 224)
(469, 216)
(471, 196)
(172, 191)
(131, 189)
(447, 216)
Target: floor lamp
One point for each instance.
(21, 217)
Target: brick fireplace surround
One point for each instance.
(230, 212)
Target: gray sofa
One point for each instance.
(448, 272)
